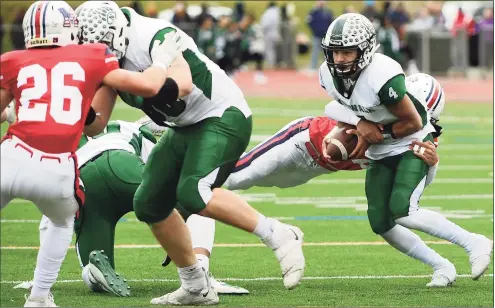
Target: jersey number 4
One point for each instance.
(36, 111)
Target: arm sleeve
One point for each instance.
(432, 172)
(340, 113)
(393, 90)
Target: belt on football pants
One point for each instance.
(94, 158)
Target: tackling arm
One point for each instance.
(102, 105)
(340, 113)
(145, 84)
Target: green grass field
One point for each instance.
(347, 265)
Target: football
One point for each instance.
(341, 144)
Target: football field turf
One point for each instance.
(347, 265)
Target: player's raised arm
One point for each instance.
(150, 81)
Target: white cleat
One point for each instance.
(224, 288)
(480, 256)
(286, 241)
(443, 277)
(183, 297)
(40, 301)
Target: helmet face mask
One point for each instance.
(103, 22)
(349, 32)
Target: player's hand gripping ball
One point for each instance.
(341, 144)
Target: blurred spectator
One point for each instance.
(16, 33)
(318, 20)
(252, 46)
(423, 21)
(399, 16)
(487, 19)
(238, 14)
(389, 39)
(270, 23)
(151, 10)
(136, 5)
(287, 46)
(220, 41)
(182, 20)
(203, 15)
(371, 13)
(205, 37)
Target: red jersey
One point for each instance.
(318, 129)
(53, 90)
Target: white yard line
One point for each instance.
(239, 245)
(436, 181)
(270, 278)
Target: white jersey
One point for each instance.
(364, 101)
(213, 91)
(118, 135)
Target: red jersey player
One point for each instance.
(53, 83)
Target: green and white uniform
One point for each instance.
(380, 84)
(213, 91)
(395, 178)
(210, 127)
(111, 166)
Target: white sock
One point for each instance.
(412, 245)
(204, 261)
(202, 231)
(437, 225)
(264, 227)
(193, 278)
(50, 256)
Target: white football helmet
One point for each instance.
(350, 31)
(50, 23)
(103, 22)
(429, 91)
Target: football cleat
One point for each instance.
(224, 288)
(207, 296)
(40, 301)
(103, 273)
(287, 241)
(443, 277)
(480, 256)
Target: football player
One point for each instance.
(388, 119)
(53, 83)
(294, 155)
(111, 165)
(210, 126)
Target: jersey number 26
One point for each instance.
(59, 92)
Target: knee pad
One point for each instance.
(146, 213)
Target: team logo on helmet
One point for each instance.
(111, 17)
(69, 19)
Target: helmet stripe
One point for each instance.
(432, 109)
(31, 22)
(37, 19)
(339, 25)
(431, 89)
(43, 22)
(436, 94)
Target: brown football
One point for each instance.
(341, 144)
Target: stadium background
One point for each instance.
(347, 265)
